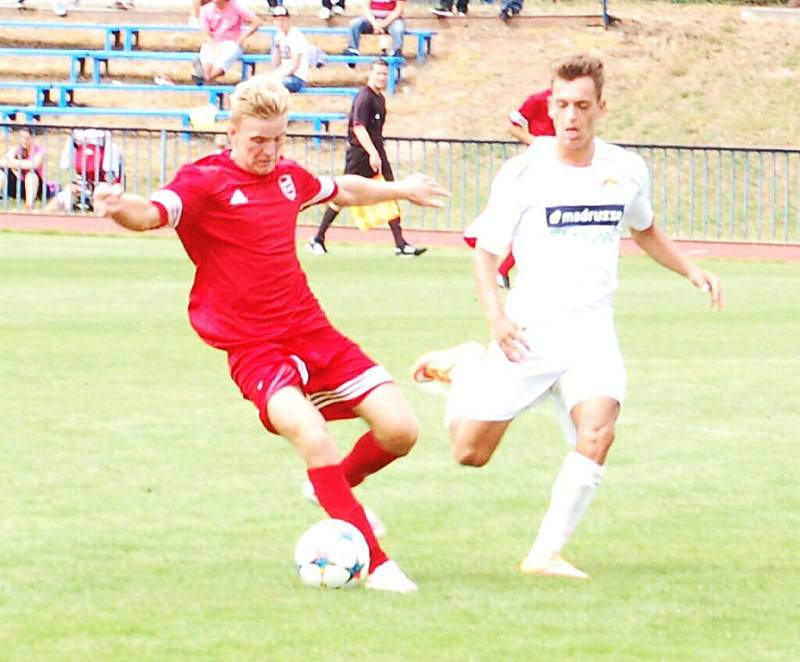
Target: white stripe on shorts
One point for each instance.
(352, 389)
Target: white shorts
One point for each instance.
(221, 55)
(572, 363)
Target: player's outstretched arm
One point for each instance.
(131, 211)
(417, 188)
(504, 332)
(520, 134)
(657, 244)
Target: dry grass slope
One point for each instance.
(676, 73)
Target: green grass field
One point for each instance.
(145, 514)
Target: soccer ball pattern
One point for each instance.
(332, 554)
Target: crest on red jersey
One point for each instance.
(287, 186)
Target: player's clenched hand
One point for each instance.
(423, 190)
(107, 199)
(709, 282)
(375, 163)
(509, 337)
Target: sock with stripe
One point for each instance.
(367, 457)
(336, 498)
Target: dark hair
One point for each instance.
(577, 66)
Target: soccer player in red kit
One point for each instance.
(532, 118)
(235, 213)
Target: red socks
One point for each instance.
(332, 486)
(336, 498)
(366, 458)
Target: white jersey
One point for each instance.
(564, 225)
(289, 45)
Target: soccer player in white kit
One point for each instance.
(562, 205)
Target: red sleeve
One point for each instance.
(530, 106)
(183, 197)
(536, 113)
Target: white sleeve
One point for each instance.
(639, 213)
(172, 204)
(298, 42)
(494, 227)
(516, 118)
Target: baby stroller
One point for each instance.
(92, 157)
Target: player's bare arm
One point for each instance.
(417, 188)
(363, 138)
(657, 244)
(131, 211)
(255, 23)
(518, 133)
(504, 332)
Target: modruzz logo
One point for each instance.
(586, 215)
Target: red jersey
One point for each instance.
(382, 8)
(532, 115)
(238, 229)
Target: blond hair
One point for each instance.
(263, 97)
(577, 66)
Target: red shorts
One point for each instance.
(328, 367)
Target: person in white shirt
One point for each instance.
(290, 52)
(562, 205)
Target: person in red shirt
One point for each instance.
(236, 213)
(532, 118)
(380, 17)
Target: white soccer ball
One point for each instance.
(332, 554)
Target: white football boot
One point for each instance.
(438, 366)
(555, 566)
(378, 527)
(388, 577)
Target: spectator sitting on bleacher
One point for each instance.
(22, 170)
(380, 17)
(290, 52)
(222, 22)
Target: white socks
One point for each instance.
(572, 493)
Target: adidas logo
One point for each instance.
(238, 198)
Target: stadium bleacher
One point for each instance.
(65, 91)
(320, 121)
(88, 72)
(125, 37)
(100, 60)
